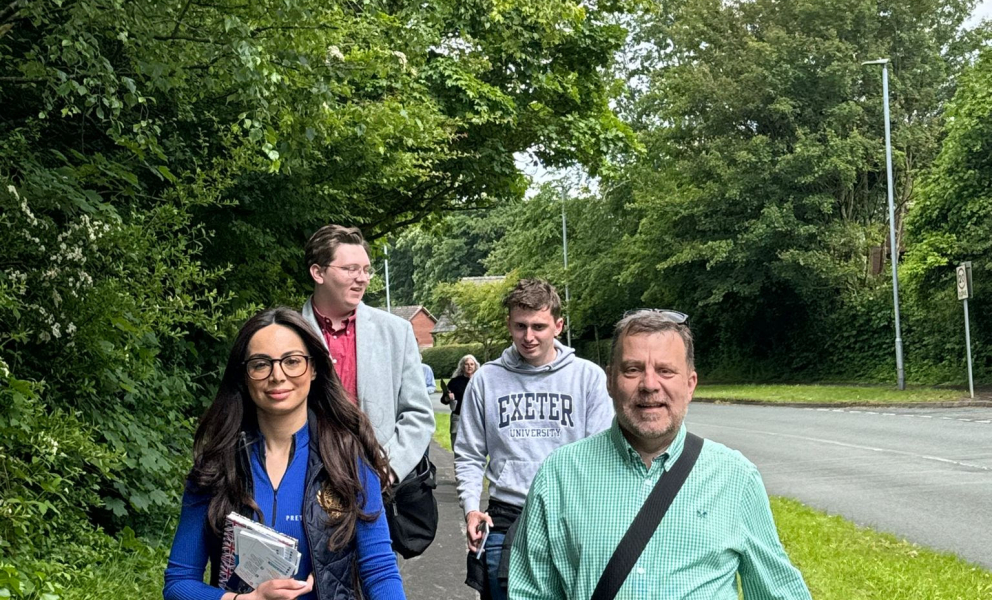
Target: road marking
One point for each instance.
(855, 411)
(859, 447)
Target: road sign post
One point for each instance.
(965, 291)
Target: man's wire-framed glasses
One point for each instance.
(293, 365)
(354, 270)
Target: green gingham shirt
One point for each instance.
(587, 494)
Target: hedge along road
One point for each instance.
(924, 474)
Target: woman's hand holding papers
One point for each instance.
(280, 589)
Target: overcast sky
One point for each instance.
(983, 10)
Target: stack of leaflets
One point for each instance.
(253, 554)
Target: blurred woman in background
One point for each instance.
(467, 366)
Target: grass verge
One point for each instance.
(826, 394)
(841, 561)
(442, 433)
(123, 576)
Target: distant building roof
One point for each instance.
(409, 312)
(444, 324)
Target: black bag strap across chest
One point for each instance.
(647, 520)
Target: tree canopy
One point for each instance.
(162, 166)
(952, 223)
(762, 185)
(475, 308)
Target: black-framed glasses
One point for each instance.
(293, 365)
(674, 316)
(353, 270)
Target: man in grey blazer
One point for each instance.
(374, 353)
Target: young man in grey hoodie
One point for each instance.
(517, 409)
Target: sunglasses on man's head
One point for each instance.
(672, 315)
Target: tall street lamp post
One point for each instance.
(389, 307)
(564, 247)
(893, 250)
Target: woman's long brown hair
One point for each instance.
(345, 436)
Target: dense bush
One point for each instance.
(98, 394)
(444, 359)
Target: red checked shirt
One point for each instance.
(344, 354)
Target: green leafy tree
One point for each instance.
(452, 247)
(476, 310)
(96, 387)
(418, 111)
(952, 223)
(762, 183)
(598, 257)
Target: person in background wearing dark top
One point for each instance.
(283, 445)
(467, 366)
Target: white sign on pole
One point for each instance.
(964, 281)
(965, 292)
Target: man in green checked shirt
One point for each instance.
(586, 494)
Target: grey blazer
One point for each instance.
(391, 388)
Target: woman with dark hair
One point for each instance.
(467, 366)
(283, 445)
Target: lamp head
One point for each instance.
(880, 61)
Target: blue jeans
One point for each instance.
(493, 554)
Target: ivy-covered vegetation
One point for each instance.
(162, 165)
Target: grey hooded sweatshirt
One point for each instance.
(517, 414)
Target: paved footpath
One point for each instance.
(439, 574)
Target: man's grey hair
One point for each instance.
(650, 321)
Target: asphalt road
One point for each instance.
(923, 474)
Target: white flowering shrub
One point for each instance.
(96, 404)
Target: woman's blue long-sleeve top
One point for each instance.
(282, 510)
